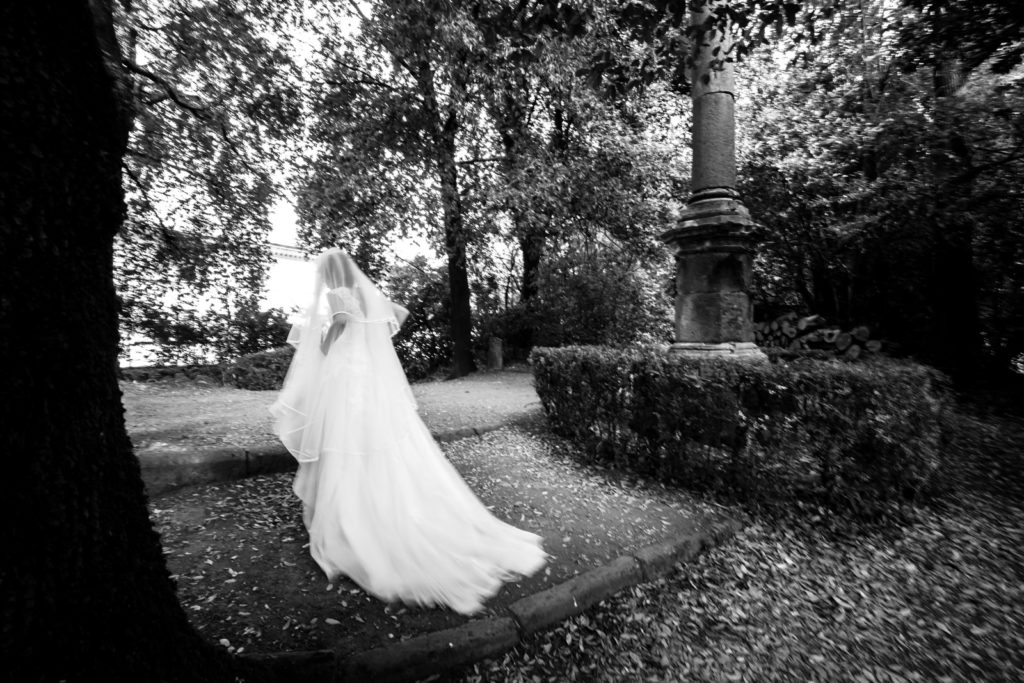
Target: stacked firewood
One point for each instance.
(790, 331)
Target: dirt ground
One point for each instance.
(245, 576)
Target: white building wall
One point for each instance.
(289, 279)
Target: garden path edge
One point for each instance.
(440, 651)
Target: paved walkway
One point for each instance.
(238, 546)
(186, 435)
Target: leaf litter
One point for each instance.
(244, 572)
(939, 598)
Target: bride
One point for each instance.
(380, 501)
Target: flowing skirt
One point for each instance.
(383, 505)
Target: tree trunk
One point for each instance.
(510, 117)
(512, 128)
(532, 246)
(86, 592)
(455, 246)
(443, 131)
(956, 345)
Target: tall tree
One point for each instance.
(573, 161)
(398, 92)
(523, 52)
(86, 594)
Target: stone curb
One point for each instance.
(543, 610)
(434, 653)
(426, 655)
(228, 464)
(314, 666)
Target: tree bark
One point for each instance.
(443, 133)
(532, 246)
(86, 592)
(510, 116)
(956, 344)
(455, 246)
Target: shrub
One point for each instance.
(249, 330)
(602, 297)
(159, 373)
(262, 370)
(183, 336)
(856, 436)
(424, 343)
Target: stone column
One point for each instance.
(713, 238)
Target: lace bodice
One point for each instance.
(344, 302)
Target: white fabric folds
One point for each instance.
(382, 504)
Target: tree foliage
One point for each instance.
(888, 179)
(537, 155)
(183, 335)
(214, 92)
(423, 344)
(546, 124)
(397, 99)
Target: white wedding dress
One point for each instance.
(382, 504)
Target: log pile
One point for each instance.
(794, 333)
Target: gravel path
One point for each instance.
(169, 419)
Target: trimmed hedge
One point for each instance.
(261, 371)
(860, 437)
(266, 370)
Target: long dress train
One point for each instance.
(382, 504)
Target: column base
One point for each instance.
(742, 351)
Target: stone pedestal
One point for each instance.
(495, 356)
(714, 252)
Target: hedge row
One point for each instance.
(261, 371)
(861, 437)
(266, 370)
(161, 373)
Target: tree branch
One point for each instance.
(973, 171)
(410, 263)
(482, 160)
(165, 232)
(405, 65)
(358, 10)
(200, 112)
(147, 27)
(366, 80)
(167, 163)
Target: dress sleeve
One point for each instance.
(343, 303)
